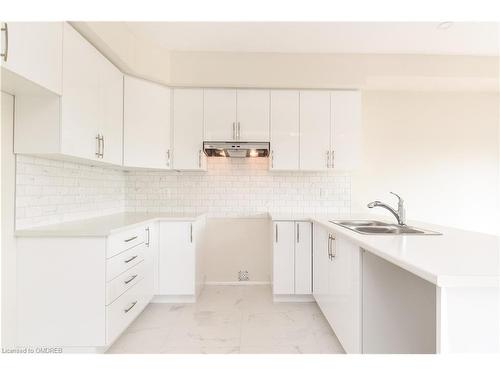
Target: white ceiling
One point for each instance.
(326, 37)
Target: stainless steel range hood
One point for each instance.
(236, 149)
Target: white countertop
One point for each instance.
(102, 226)
(455, 258)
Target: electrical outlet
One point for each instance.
(243, 276)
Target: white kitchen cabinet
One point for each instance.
(82, 291)
(292, 253)
(188, 129)
(236, 115)
(33, 51)
(321, 262)
(337, 285)
(315, 130)
(284, 258)
(303, 257)
(346, 129)
(219, 111)
(87, 121)
(284, 130)
(252, 111)
(92, 102)
(146, 124)
(153, 248)
(345, 293)
(177, 259)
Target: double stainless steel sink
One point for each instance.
(379, 227)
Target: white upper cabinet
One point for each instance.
(86, 122)
(346, 129)
(111, 129)
(146, 125)
(220, 114)
(236, 115)
(92, 102)
(315, 130)
(81, 101)
(33, 50)
(252, 110)
(284, 130)
(188, 129)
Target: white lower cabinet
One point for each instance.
(337, 285)
(76, 292)
(292, 268)
(179, 259)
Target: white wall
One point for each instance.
(439, 150)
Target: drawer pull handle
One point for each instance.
(131, 239)
(130, 259)
(131, 279)
(131, 307)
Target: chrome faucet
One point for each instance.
(400, 214)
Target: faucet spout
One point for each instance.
(399, 214)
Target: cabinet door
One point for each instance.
(220, 114)
(35, 52)
(314, 130)
(346, 129)
(188, 129)
(284, 130)
(303, 257)
(152, 251)
(320, 264)
(344, 312)
(81, 101)
(177, 259)
(283, 258)
(146, 126)
(252, 115)
(111, 112)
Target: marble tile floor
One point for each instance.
(230, 320)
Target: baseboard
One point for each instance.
(234, 283)
(173, 299)
(293, 298)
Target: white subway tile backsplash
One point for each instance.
(51, 191)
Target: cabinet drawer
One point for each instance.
(124, 261)
(125, 240)
(124, 281)
(126, 308)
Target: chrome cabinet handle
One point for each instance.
(199, 158)
(272, 158)
(130, 239)
(191, 232)
(328, 159)
(332, 157)
(131, 307)
(234, 130)
(147, 238)
(298, 232)
(98, 146)
(6, 52)
(276, 232)
(334, 248)
(131, 279)
(130, 259)
(102, 147)
(168, 158)
(239, 131)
